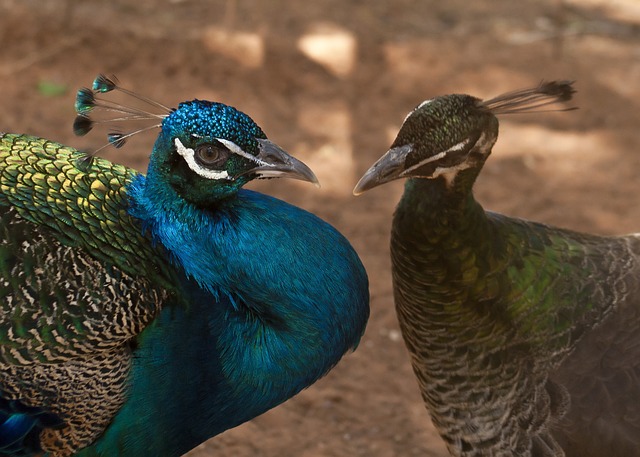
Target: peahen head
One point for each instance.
(205, 151)
(447, 135)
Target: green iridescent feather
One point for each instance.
(75, 294)
(82, 202)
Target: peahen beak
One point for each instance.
(279, 164)
(389, 167)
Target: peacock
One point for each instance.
(140, 314)
(524, 338)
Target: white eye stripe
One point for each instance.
(189, 156)
(238, 151)
(231, 146)
(438, 156)
(424, 162)
(459, 146)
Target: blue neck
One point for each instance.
(275, 297)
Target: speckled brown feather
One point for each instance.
(491, 328)
(525, 338)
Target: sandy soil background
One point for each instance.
(331, 81)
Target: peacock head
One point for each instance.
(443, 136)
(205, 150)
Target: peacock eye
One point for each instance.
(211, 155)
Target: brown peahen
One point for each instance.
(525, 338)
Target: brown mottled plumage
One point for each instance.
(525, 338)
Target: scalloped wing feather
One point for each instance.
(79, 279)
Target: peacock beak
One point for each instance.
(277, 163)
(389, 167)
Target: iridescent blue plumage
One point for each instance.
(117, 140)
(20, 426)
(238, 300)
(85, 101)
(253, 329)
(103, 84)
(213, 120)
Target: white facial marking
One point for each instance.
(459, 146)
(450, 173)
(482, 143)
(238, 151)
(189, 157)
(424, 103)
(438, 156)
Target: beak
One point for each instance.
(389, 167)
(277, 163)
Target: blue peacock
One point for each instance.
(142, 315)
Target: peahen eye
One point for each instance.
(211, 155)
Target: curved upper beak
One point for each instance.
(277, 163)
(389, 167)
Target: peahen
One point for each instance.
(141, 315)
(525, 338)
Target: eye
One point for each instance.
(211, 155)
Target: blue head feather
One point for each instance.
(196, 123)
(207, 119)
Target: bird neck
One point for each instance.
(275, 296)
(483, 269)
(438, 233)
(270, 260)
(440, 206)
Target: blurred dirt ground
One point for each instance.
(331, 82)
